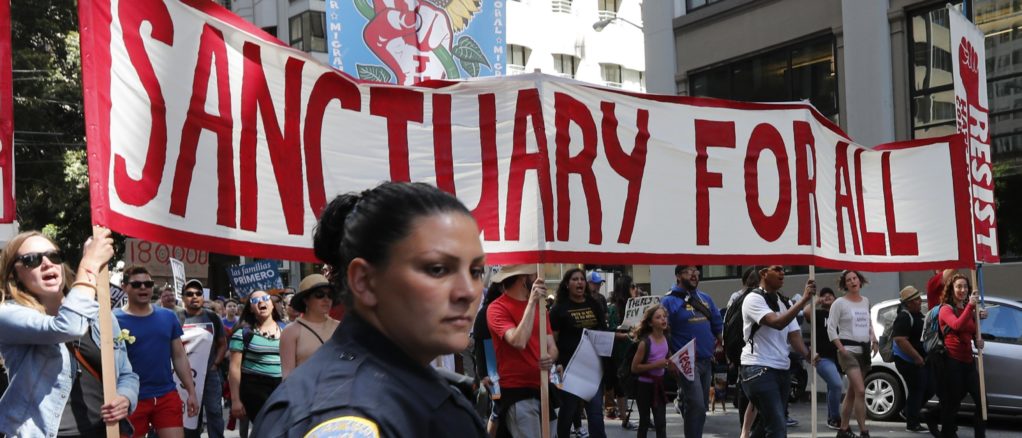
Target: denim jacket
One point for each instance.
(41, 368)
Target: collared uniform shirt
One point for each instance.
(360, 384)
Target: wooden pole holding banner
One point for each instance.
(544, 374)
(106, 342)
(979, 357)
(812, 354)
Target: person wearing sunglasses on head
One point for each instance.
(49, 337)
(157, 354)
(255, 356)
(314, 326)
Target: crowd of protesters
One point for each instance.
(407, 263)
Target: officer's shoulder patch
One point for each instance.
(347, 426)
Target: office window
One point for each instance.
(606, 9)
(696, 4)
(308, 31)
(517, 58)
(561, 6)
(932, 89)
(611, 74)
(799, 71)
(566, 65)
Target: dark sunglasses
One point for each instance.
(319, 294)
(148, 284)
(191, 294)
(32, 260)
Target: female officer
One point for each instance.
(408, 261)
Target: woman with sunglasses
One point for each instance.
(624, 289)
(408, 262)
(49, 338)
(255, 356)
(310, 330)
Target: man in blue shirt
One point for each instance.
(693, 315)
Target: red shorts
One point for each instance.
(164, 412)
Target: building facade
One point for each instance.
(881, 69)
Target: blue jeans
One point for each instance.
(827, 369)
(212, 405)
(594, 413)
(767, 389)
(695, 396)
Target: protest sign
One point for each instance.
(6, 117)
(584, 372)
(685, 359)
(198, 341)
(261, 275)
(178, 268)
(118, 297)
(155, 257)
(635, 308)
(968, 59)
(553, 170)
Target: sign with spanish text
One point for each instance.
(972, 110)
(203, 129)
(409, 41)
(250, 277)
(636, 308)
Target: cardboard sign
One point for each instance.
(261, 275)
(178, 268)
(636, 308)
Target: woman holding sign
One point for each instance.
(407, 260)
(49, 337)
(850, 330)
(960, 377)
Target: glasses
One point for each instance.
(320, 294)
(32, 260)
(259, 299)
(191, 294)
(148, 284)
(693, 272)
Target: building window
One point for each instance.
(566, 65)
(561, 6)
(1000, 21)
(611, 74)
(696, 4)
(607, 9)
(517, 58)
(932, 90)
(307, 31)
(797, 72)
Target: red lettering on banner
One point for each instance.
(529, 107)
(212, 53)
(843, 201)
(328, 87)
(769, 227)
(805, 185)
(709, 133)
(285, 147)
(486, 211)
(631, 167)
(569, 110)
(443, 158)
(141, 191)
(399, 106)
(902, 244)
(873, 243)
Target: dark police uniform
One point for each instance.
(360, 384)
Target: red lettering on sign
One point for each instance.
(843, 201)
(631, 167)
(569, 110)
(766, 138)
(443, 158)
(805, 185)
(143, 190)
(709, 133)
(902, 244)
(399, 106)
(529, 107)
(285, 147)
(211, 47)
(328, 87)
(486, 211)
(873, 243)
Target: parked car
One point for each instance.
(1002, 358)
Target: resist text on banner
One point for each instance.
(968, 57)
(250, 277)
(553, 170)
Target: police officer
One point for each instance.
(408, 259)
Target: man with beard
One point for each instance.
(212, 393)
(693, 315)
(157, 346)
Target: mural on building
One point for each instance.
(409, 41)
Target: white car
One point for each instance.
(1002, 358)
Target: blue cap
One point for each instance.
(595, 277)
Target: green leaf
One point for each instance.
(373, 73)
(467, 50)
(471, 68)
(365, 9)
(450, 66)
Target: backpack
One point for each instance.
(626, 378)
(734, 334)
(887, 339)
(933, 336)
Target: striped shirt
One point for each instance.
(262, 357)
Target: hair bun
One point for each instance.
(329, 231)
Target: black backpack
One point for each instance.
(626, 378)
(734, 335)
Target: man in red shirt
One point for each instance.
(935, 286)
(513, 320)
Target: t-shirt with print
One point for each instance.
(150, 354)
(850, 320)
(516, 368)
(769, 346)
(212, 323)
(568, 319)
(910, 325)
(263, 355)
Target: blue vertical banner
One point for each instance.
(409, 41)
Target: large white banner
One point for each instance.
(203, 129)
(968, 57)
(198, 341)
